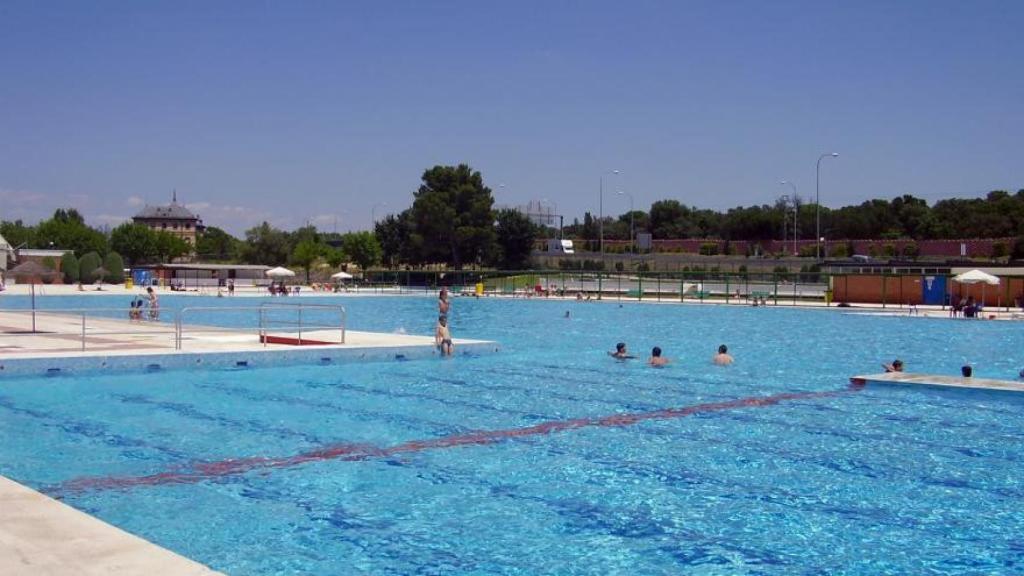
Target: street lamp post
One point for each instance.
(632, 247)
(600, 210)
(795, 208)
(817, 203)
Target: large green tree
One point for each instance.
(67, 230)
(265, 245)
(451, 217)
(362, 248)
(115, 268)
(216, 244)
(136, 242)
(515, 237)
(167, 246)
(305, 253)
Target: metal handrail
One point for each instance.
(264, 322)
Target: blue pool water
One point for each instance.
(551, 457)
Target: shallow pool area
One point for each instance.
(551, 457)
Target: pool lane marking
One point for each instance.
(357, 452)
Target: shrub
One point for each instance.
(809, 251)
(115, 268)
(889, 250)
(709, 248)
(69, 266)
(87, 265)
(839, 251)
(1018, 249)
(1000, 250)
(911, 251)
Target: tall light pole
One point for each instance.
(817, 203)
(373, 212)
(795, 208)
(632, 248)
(600, 212)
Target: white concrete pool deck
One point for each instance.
(939, 381)
(61, 335)
(42, 537)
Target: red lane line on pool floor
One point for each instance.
(354, 452)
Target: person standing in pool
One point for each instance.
(722, 358)
(656, 358)
(443, 304)
(443, 337)
(154, 304)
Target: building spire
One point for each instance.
(174, 196)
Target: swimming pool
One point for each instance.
(551, 457)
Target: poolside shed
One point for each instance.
(199, 276)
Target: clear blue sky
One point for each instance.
(291, 111)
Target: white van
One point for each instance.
(560, 247)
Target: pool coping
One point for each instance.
(40, 536)
(155, 360)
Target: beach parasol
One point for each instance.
(977, 277)
(32, 270)
(279, 272)
(341, 276)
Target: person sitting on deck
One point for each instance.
(896, 366)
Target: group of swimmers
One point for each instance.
(966, 371)
(722, 358)
(138, 304)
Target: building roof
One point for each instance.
(172, 211)
(41, 252)
(207, 266)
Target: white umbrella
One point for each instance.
(279, 272)
(341, 276)
(977, 277)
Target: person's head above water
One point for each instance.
(897, 363)
(443, 320)
(620, 347)
(656, 352)
(966, 371)
(723, 349)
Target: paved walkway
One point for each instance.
(42, 537)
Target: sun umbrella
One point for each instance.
(977, 277)
(279, 272)
(341, 276)
(100, 273)
(32, 270)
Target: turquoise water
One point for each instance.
(551, 457)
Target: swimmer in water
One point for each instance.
(896, 366)
(656, 358)
(722, 358)
(620, 352)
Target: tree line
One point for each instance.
(452, 220)
(999, 214)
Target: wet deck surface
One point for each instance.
(908, 379)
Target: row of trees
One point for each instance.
(452, 220)
(999, 214)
